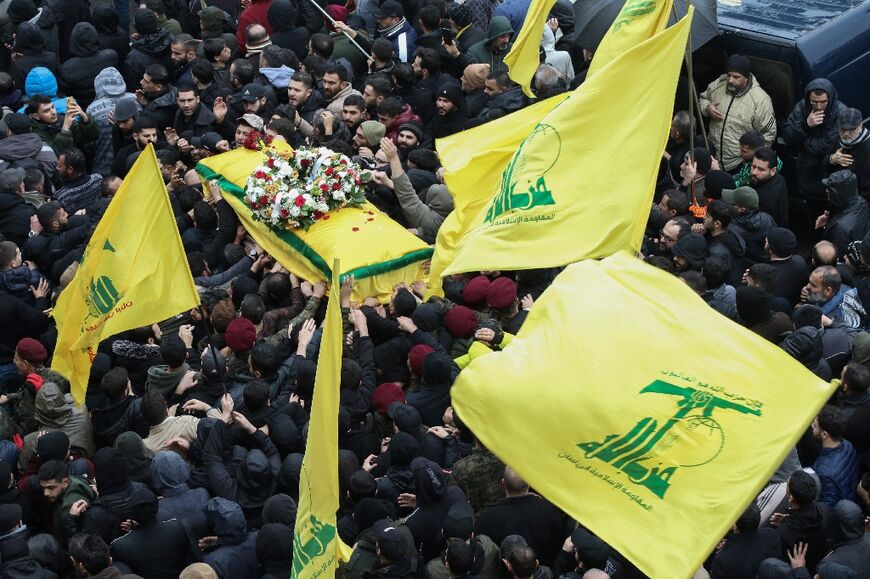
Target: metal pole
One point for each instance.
(354, 42)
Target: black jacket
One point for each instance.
(773, 199)
(851, 543)
(813, 143)
(162, 108)
(19, 320)
(744, 552)
(502, 104)
(534, 518)
(78, 73)
(753, 227)
(30, 44)
(850, 216)
(805, 524)
(51, 247)
(255, 478)
(138, 549)
(860, 153)
(282, 16)
(148, 50)
(791, 277)
(105, 19)
(15, 216)
(730, 248)
(116, 418)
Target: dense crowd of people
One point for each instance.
(185, 458)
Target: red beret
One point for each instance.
(460, 322)
(240, 335)
(502, 293)
(386, 394)
(474, 292)
(416, 356)
(31, 350)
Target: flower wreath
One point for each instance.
(296, 188)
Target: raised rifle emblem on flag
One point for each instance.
(533, 191)
(651, 441)
(318, 537)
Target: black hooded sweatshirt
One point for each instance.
(106, 21)
(282, 17)
(31, 45)
(434, 499)
(78, 73)
(254, 480)
(149, 49)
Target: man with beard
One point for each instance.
(353, 112)
(408, 139)
(336, 88)
(144, 132)
(837, 464)
(182, 52)
(853, 150)
(156, 96)
(393, 26)
(838, 301)
(770, 185)
(450, 116)
(736, 103)
(492, 49)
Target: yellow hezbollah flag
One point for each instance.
(663, 436)
(472, 159)
(524, 56)
(376, 250)
(637, 21)
(134, 273)
(316, 546)
(580, 185)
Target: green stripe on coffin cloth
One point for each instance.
(376, 250)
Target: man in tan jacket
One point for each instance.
(735, 103)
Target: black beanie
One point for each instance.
(717, 180)
(53, 446)
(752, 305)
(10, 516)
(692, 248)
(807, 315)
(782, 241)
(351, 374)
(146, 22)
(739, 64)
(452, 92)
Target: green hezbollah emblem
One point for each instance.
(632, 10)
(649, 440)
(312, 542)
(102, 297)
(546, 146)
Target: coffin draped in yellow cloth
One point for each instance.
(376, 250)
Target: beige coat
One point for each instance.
(750, 110)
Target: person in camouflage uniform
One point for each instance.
(479, 477)
(20, 418)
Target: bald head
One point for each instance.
(595, 574)
(824, 253)
(514, 485)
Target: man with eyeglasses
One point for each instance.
(812, 129)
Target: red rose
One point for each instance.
(299, 201)
(284, 214)
(271, 162)
(324, 188)
(263, 199)
(317, 215)
(329, 171)
(305, 162)
(336, 186)
(260, 174)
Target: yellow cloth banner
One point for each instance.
(581, 184)
(134, 273)
(316, 546)
(524, 57)
(664, 436)
(637, 21)
(376, 250)
(473, 159)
